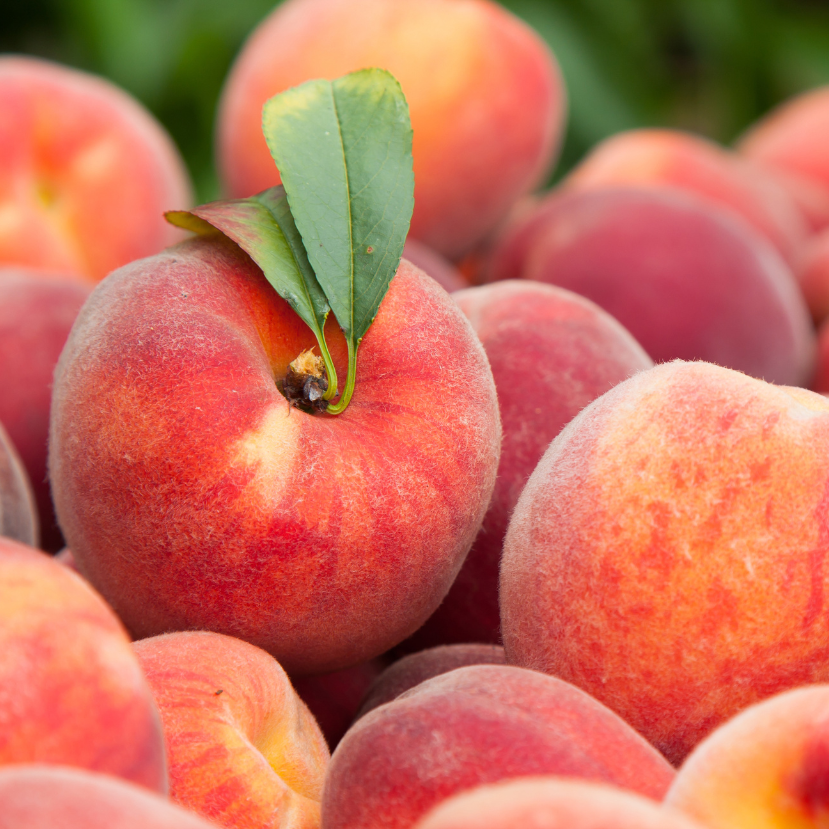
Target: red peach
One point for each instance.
(765, 767)
(687, 279)
(667, 554)
(487, 115)
(194, 497)
(415, 668)
(85, 172)
(475, 725)
(791, 141)
(36, 313)
(820, 380)
(53, 797)
(552, 803)
(243, 749)
(552, 352)
(812, 272)
(71, 689)
(18, 514)
(695, 164)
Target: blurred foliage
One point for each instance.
(711, 66)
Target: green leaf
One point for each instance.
(344, 152)
(264, 228)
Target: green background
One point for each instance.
(712, 66)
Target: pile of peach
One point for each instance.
(561, 563)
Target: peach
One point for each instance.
(36, 313)
(692, 163)
(85, 172)
(820, 380)
(52, 797)
(687, 279)
(791, 141)
(71, 689)
(552, 803)
(335, 698)
(487, 114)
(431, 262)
(552, 352)
(194, 497)
(812, 271)
(18, 514)
(765, 767)
(475, 725)
(667, 554)
(415, 668)
(243, 750)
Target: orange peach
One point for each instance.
(194, 497)
(791, 141)
(36, 313)
(668, 553)
(474, 725)
(85, 172)
(765, 767)
(242, 748)
(53, 797)
(552, 352)
(18, 514)
(484, 92)
(690, 162)
(71, 689)
(552, 803)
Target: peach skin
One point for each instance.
(487, 115)
(71, 689)
(85, 172)
(668, 554)
(242, 748)
(194, 497)
(766, 767)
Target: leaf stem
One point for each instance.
(329, 367)
(339, 406)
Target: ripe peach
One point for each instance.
(687, 279)
(791, 141)
(53, 797)
(667, 554)
(71, 689)
(765, 767)
(85, 172)
(194, 497)
(552, 352)
(18, 514)
(36, 313)
(415, 668)
(243, 750)
(552, 803)
(474, 725)
(692, 163)
(487, 113)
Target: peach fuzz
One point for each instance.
(689, 280)
(415, 668)
(474, 725)
(193, 497)
(37, 310)
(242, 748)
(552, 352)
(18, 514)
(485, 95)
(552, 803)
(791, 140)
(53, 797)
(71, 689)
(667, 554)
(812, 271)
(765, 767)
(85, 172)
(697, 165)
(335, 698)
